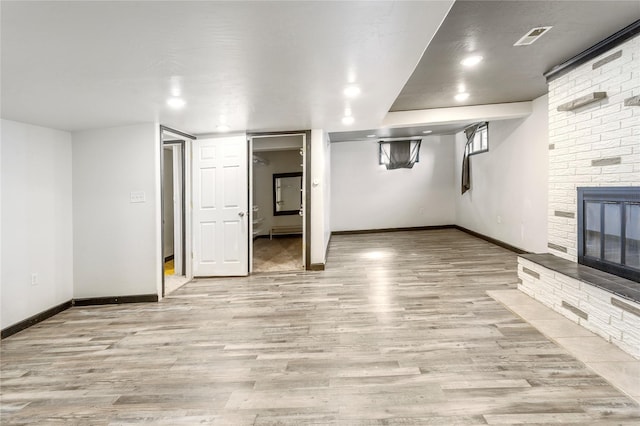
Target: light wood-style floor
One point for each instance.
(398, 330)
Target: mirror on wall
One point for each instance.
(287, 193)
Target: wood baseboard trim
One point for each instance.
(492, 240)
(35, 319)
(437, 227)
(375, 231)
(326, 251)
(140, 298)
(146, 298)
(316, 267)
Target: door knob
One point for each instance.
(241, 214)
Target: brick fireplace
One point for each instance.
(594, 142)
(609, 229)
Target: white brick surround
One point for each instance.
(614, 318)
(594, 145)
(606, 130)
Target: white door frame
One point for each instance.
(186, 139)
(250, 209)
(188, 211)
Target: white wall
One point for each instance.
(279, 162)
(320, 195)
(364, 195)
(327, 195)
(116, 243)
(508, 196)
(36, 220)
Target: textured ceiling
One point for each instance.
(255, 66)
(274, 66)
(507, 73)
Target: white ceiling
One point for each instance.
(263, 66)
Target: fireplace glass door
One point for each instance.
(609, 230)
(632, 227)
(612, 232)
(592, 229)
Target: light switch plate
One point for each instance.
(137, 197)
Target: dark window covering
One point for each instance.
(400, 155)
(470, 133)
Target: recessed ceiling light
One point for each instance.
(371, 136)
(222, 128)
(426, 132)
(351, 91)
(471, 60)
(461, 97)
(176, 103)
(351, 75)
(347, 120)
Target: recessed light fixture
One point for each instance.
(347, 120)
(371, 136)
(426, 132)
(471, 61)
(176, 103)
(461, 97)
(176, 86)
(222, 128)
(351, 91)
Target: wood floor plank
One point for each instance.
(397, 330)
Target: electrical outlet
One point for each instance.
(499, 219)
(34, 279)
(137, 197)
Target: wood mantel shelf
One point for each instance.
(582, 101)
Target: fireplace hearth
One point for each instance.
(609, 230)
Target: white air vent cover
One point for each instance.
(531, 36)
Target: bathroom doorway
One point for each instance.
(278, 203)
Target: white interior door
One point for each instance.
(220, 207)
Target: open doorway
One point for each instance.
(278, 203)
(176, 269)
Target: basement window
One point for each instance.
(480, 142)
(399, 154)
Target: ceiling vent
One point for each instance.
(531, 36)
